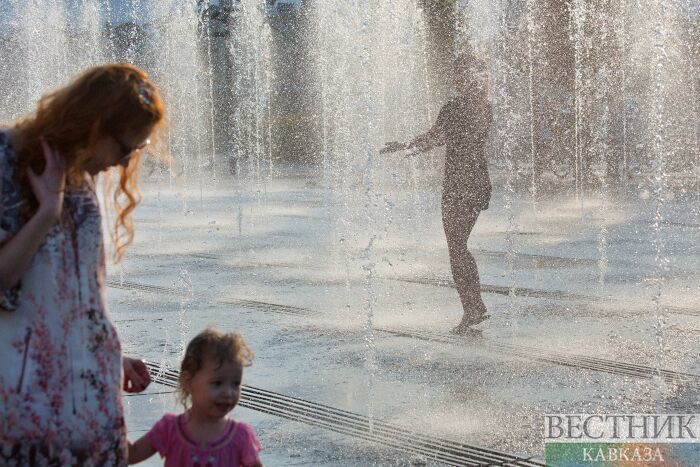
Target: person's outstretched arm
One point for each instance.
(433, 138)
(140, 450)
(16, 254)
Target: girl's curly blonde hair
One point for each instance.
(211, 344)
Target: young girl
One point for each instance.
(60, 358)
(203, 436)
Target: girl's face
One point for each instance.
(113, 150)
(215, 389)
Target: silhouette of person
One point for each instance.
(462, 125)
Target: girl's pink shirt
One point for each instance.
(236, 446)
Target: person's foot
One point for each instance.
(462, 330)
(466, 325)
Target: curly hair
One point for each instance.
(215, 345)
(104, 100)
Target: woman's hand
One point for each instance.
(136, 377)
(17, 253)
(48, 187)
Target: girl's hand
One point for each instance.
(136, 377)
(48, 187)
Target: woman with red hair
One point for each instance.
(61, 365)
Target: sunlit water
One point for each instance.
(611, 262)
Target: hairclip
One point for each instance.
(145, 94)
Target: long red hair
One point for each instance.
(104, 100)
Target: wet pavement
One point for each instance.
(346, 298)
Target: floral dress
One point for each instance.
(60, 357)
